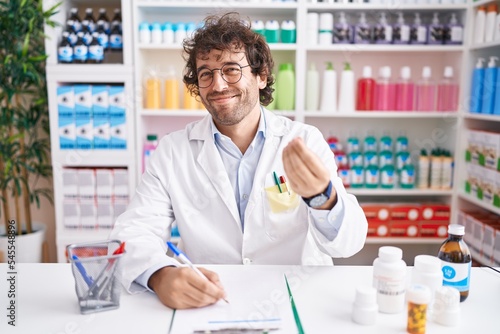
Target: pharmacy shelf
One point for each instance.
(476, 256)
(484, 46)
(386, 48)
(174, 47)
(268, 5)
(479, 203)
(92, 158)
(89, 69)
(406, 241)
(482, 117)
(398, 192)
(386, 7)
(382, 114)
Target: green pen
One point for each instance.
(294, 309)
(277, 181)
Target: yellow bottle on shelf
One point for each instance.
(152, 91)
(190, 102)
(171, 90)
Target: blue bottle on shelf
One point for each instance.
(490, 80)
(496, 106)
(476, 96)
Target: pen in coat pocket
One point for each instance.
(184, 259)
(283, 180)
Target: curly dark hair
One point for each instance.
(228, 32)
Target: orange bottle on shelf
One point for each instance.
(171, 90)
(190, 102)
(152, 91)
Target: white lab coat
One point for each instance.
(186, 182)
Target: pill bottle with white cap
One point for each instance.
(389, 279)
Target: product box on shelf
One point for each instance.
(70, 183)
(491, 229)
(378, 216)
(405, 219)
(435, 220)
(71, 214)
(473, 146)
(66, 117)
(488, 185)
(83, 116)
(473, 180)
(399, 228)
(490, 151)
(104, 183)
(120, 184)
(86, 184)
(117, 117)
(100, 112)
(88, 214)
(105, 214)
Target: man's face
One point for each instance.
(229, 103)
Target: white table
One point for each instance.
(47, 303)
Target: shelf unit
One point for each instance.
(120, 72)
(425, 130)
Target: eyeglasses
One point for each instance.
(230, 72)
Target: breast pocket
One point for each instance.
(283, 215)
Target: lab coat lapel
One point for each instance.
(275, 130)
(209, 160)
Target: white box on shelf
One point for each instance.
(490, 234)
(120, 184)
(474, 145)
(71, 214)
(86, 184)
(100, 117)
(83, 117)
(66, 117)
(117, 118)
(488, 185)
(70, 183)
(105, 215)
(104, 183)
(490, 153)
(88, 214)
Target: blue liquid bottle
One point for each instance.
(490, 80)
(476, 96)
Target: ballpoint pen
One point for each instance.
(82, 270)
(283, 180)
(277, 181)
(95, 289)
(184, 259)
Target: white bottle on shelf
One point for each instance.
(346, 94)
(156, 34)
(312, 28)
(168, 34)
(489, 27)
(325, 28)
(329, 89)
(312, 88)
(496, 34)
(144, 33)
(480, 22)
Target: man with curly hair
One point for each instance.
(222, 180)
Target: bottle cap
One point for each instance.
(448, 72)
(385, 72)
(492, 7)
(446, 307)
(155, 26)
(492, 62)
(390, 253)
(417, 20)
(427, 263)
(419, 294)
(480, 62)
(326, 21)
(365, 306)
(167, 26)
(286, 67)
(426, 72)
(367, 72)
(312, 20)
(257, 25)
(405, 72)
(288, 25)
(151, 137)
(456, 229)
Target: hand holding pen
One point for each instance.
(184, 259)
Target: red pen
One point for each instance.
(283, 181)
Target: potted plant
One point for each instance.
(24, 121)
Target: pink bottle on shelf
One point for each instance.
(405, 89)
(148, 149)
(447, 99)
(426, 91)
(386, 91)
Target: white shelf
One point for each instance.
(98, 70)
(396, 240)
(398, 192)
(178, 47)
(483, 46)
(482, 117)
(218, 4)
(369, 7)
(93, 158)
(478, 202)
(386, 48)
(382, 114)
